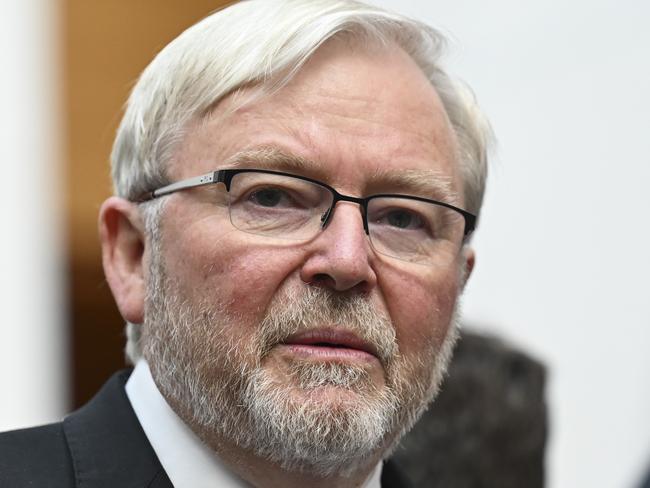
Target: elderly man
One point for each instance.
(296, 185)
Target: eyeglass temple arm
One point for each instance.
(202, 180)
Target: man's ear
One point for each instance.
(469, 259)
(121, 232)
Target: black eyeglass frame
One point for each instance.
(225, 176)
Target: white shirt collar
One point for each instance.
(185, 458)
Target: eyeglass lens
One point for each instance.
(290, 208)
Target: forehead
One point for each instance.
(351, 113)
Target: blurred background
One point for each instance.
(562, 248)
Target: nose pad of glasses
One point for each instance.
(324, 219)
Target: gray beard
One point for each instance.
(217, 383)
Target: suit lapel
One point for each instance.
(109, 449)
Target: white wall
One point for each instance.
(563, 246)
(33, 340)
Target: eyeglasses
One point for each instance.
(291, 207)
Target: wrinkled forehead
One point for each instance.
(351, 104)
(328, 68)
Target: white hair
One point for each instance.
(264, 43)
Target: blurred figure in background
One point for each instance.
(487, 427)
(646, 482)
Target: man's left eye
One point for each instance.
(403, 219)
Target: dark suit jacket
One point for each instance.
(102, 445)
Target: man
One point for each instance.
(296, 185)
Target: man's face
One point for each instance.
(243, 332)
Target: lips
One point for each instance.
(330, 343)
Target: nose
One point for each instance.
(340, 257)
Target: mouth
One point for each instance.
(332, 344)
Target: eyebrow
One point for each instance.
(273, 158)
(428, 183)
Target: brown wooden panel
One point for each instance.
(107, 43)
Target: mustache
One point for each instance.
(316, 307)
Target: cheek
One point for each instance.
(234, 270)
(422, 308)
(254, 274)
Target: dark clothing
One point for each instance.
(101, 445)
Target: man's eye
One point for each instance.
(402, 219)
(270, 197)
